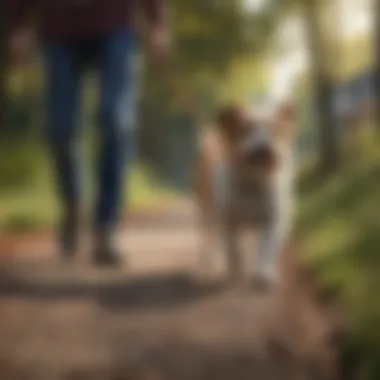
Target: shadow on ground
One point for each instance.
(146, 292)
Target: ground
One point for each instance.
(155, 320)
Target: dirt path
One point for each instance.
(155, 321)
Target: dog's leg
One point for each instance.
(234, 270)
(273, 238)
(208, 242)
(212, 219)
(269, 245)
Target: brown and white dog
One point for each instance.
(244, 179)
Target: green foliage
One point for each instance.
(214, 44)
(340, 231)
(20, 163)
(211, 35)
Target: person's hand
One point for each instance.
(21, 46)
(157, 46)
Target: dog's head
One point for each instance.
(256, 144)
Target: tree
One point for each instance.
(376, 40)
(3, 63)
(319, 40)
(322, 89)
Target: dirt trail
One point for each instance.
(155, 321)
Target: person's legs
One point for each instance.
(63, 72)
(118, 77)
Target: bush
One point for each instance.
(20, 162)
(339, 229)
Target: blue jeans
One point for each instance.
(114, 56)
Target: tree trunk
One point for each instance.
(4, 35)
(322, 85)
(376, 15)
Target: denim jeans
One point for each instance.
(113, 55)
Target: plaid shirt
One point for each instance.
(81, 18)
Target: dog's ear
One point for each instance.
(232, 120)
(286, 121)
(228, 115)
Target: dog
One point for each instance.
(244, 179)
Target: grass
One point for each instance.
(339, 227)
(33, 205)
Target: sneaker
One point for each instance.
(106, 252)
(70, 235)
